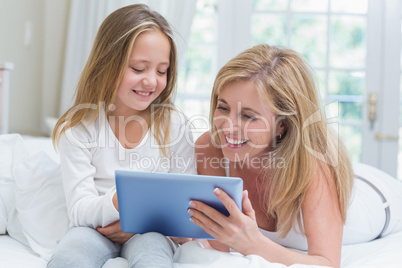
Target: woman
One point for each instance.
(268, 127)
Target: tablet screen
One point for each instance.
(158, 202)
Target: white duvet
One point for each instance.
(382, 253)
(38, 196)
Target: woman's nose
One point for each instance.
(231, 123)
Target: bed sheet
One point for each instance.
(16, 255)
(384, 253)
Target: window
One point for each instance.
(331, 34)
(197, 71)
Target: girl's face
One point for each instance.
(245, 125)
(145, 76)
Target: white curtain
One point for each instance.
(86, 16)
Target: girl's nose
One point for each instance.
(149, 81)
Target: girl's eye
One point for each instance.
(137, 70)
(162, 73)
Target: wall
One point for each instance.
(32, 36)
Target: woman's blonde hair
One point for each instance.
(286, 85)
(105, 67)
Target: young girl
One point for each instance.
(267, 125)
(122, 118)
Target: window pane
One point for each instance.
(269, 29)
(197, 76)
(348, 47)
(309, 37)
(321, 83)
(266, 5)
(352, 138)
(197, 112)
(347, 83)
(343, 109)
(202, 28)
(310, 5)
(349, 6)
(350, 111)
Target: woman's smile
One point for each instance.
(233, 142)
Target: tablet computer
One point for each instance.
(158, 202)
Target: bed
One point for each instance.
(33, 218)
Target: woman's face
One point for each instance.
(145, 76)
(245, 125)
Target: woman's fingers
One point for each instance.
(206, 212)
(247, 207)
(206, 223)
(228, 202)
(238, 226)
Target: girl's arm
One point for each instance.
(84, 204)
(322, 222)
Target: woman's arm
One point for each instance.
(322, 222)
(209, 158)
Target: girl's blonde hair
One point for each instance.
(105, 67)
(285, 84)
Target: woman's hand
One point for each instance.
(239, 231)
(114, 233)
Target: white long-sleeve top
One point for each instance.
(90, 153)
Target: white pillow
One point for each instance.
(12, 146)
(3, 216)
(40, 200)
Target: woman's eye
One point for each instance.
(250, 117)
(162, 73)
(224, 109)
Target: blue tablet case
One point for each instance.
(158, 202)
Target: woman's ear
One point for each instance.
(281, 127)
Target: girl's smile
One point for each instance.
(143, 94)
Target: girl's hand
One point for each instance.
(205, 243)
(239, 231)
(181, 240)
(114, 233)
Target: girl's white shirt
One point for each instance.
(90, 153)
